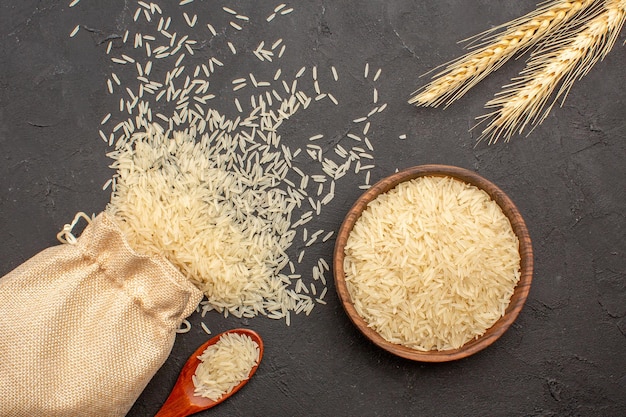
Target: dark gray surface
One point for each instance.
(565, 355)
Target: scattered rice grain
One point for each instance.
(75, 31)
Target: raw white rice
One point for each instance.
(240, 160)
(74, 31)
(225, 365)
(432, 263)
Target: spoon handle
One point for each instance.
(177, 407)
(178, 404)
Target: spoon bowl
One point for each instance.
(182, 401)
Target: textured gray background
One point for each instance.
(566, 353)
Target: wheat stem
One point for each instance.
(463, 73)
(561, 62)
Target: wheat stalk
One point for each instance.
(463, 73)
(561, 62)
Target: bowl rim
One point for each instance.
(520, 292)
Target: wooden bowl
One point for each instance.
(517, 299)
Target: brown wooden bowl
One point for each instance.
(517, 299)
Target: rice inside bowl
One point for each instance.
(432, 263)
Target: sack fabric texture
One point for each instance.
(85, 326)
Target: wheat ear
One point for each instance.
(463, 73)
(556, 67)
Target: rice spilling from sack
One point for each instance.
(237, 209)
(432, 263)
(225, 365)
(226, 232)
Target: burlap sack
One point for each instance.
(85, 326)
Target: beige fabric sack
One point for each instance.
(85, 326)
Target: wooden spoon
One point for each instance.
(182, 401)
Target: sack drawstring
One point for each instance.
(65, 235)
